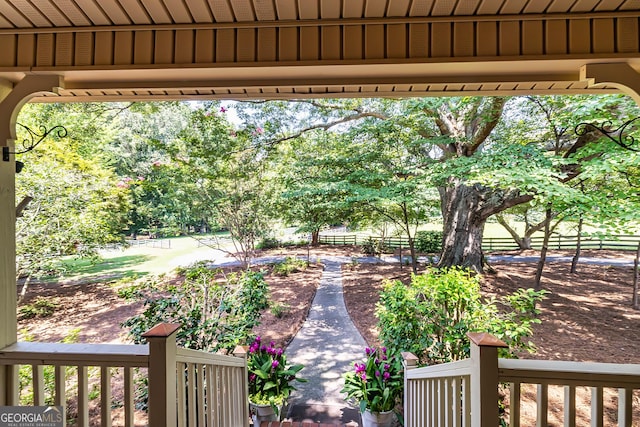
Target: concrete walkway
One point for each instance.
(327, 345)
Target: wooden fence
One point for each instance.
(185, 387)
(489, 244)
(465, 393)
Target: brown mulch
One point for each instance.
(586, 316)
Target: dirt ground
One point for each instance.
(586, 316)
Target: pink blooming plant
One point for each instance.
(269, 376)
(377, 383)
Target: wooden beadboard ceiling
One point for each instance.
(152, 49)
(83, 13)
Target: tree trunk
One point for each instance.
(522, 242)
(463, 226)
(576, 256)
(315, 237)
(543, 252)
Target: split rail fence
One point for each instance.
(489, 244)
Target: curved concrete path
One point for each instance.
(327, 345)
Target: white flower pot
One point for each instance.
(260, 413)
(377, 419)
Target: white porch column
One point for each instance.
(12, 98)
(619, 75)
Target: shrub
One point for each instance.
(279, 309)
(213, 314)
(289, 265)
(375, 247)
(428, 241)
(268, 243)
(41, 307)
(432, 315)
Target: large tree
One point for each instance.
(76, 206)
(473, 149)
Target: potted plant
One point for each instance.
(376, 386)
(269, 381)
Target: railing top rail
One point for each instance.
(128, 355)
(452, 369)
(187, 355)
(564, 372)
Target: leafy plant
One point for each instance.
(279, 309)
(41, 307)
(214, 313)
(431, 316)
(429, 241)
(268, 243)
(289, 265)
(269, 376)
(374, 247)
(376, 384)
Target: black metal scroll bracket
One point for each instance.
(617, 135)
(34, 139)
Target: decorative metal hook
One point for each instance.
(617, 135)
(34, 139)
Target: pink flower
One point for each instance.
(223, 109)
(259, 130)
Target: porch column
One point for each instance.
(619, 75)
(12, 98)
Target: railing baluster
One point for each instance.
(38, 384)
(514, 404)
(182, 398)
(569, 406)
(83, 397)
(625, 407)
(191, 394)
(105, 396)
(60, 373)
(597, 410)
(456, 407)
(542, 405)
(212, 386)
(466, 402)
(200, 391)
(128, 396)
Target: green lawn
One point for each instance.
(137, 260)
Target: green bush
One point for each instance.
(279, 309)
(268, 243)
(213, 314)
(431, 316)
(41, 307)
(429, 242)
(289, 265)
(375, 247)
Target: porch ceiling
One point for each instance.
(173, 49)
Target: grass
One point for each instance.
(137, 261)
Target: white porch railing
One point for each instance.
(185, 388)
(465, 393)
